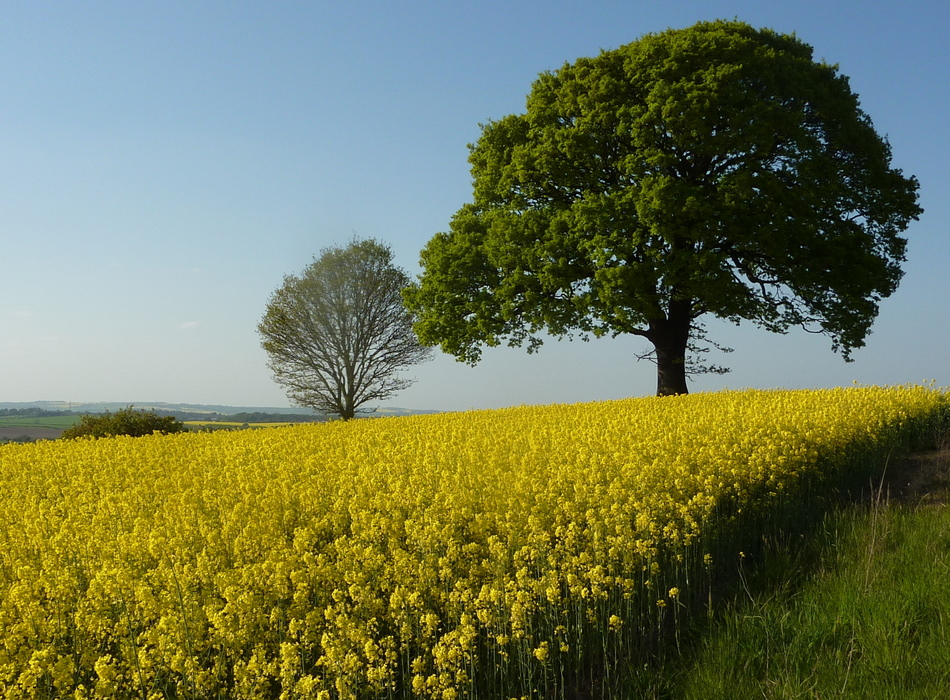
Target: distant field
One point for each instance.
(57, 422)
(29, 433)
(51, 427)
(35, 428)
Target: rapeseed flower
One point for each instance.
(432, 556)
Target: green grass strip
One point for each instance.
(862, 611)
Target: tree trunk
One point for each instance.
(347, 410)
(670, 337)
(670, 370)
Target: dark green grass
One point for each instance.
(859, 610)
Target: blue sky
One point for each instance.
(165, 164)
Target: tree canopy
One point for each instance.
(717, 169)
(338, 334)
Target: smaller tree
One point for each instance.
(124, 422)
(338, 334)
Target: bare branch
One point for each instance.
(338, 335)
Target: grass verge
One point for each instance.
(861, 609)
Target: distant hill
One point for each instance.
(186, 408)
(46, 420)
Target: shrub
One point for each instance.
(124, 422)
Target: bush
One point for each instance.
(124, 422)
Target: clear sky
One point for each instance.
(164, 164)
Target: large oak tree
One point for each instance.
(338, 335)
(717, 169)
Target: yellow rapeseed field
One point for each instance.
(484, 554)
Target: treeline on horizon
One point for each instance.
(32, 412)
(245, 417)
(240, 417)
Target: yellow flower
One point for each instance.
(334, 559)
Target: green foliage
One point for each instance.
(123, 422)
(716, 169)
